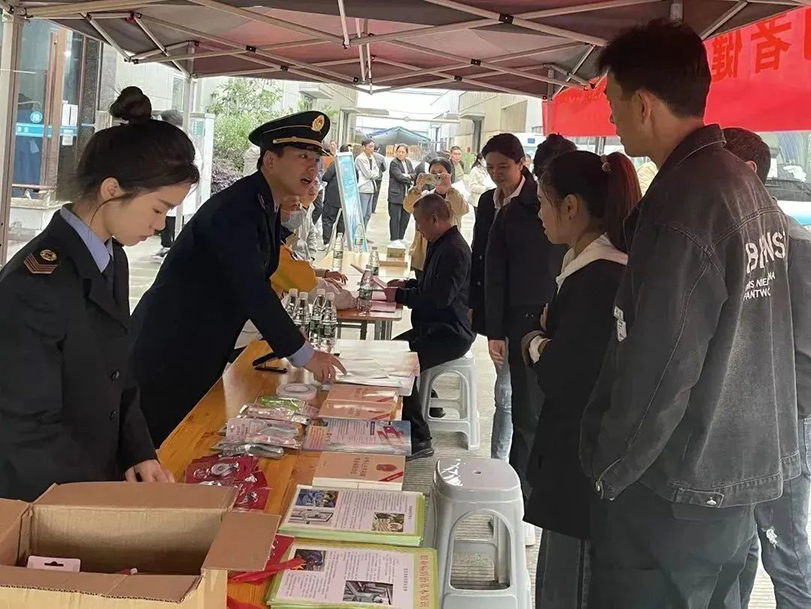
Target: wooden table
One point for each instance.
(352, 318)
(397, 271)
(383, 322)
(198, 431)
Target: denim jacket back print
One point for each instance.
(697, 396)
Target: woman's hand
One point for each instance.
(148, 471)
(396, 283)
(544, 318)
(498, 352)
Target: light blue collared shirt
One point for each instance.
(101, 252)
(303, 356)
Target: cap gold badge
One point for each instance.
(48, 255)
(318, 123)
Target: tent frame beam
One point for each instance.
(497, 59)
(495, 20)
(158, 44)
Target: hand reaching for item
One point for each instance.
(324, 367)
(391, 293)
(148, 471)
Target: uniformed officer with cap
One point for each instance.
(217, 276)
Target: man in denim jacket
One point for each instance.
(781, 524)
(694, 418)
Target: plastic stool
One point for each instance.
(468, 421)
(488, 487)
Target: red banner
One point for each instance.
(761, 80)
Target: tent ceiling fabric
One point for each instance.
(412, 43)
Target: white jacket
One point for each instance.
(479, 182)
(366, 174)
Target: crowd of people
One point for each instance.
(651, 351)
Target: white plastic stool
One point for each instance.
(487, 487)
(468, 421)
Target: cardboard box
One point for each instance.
(182, 538)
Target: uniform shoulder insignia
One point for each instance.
(43, 262)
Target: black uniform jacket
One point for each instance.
(214, 279)
(579, 322)
(68, 407)
(438, 301)
(520, 264)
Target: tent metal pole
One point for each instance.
(252, 57)
(107, 38)
(569, 75)
(368, 75)
(523, 23)
(479, 23)
(723, 19)
(447, 78)
(97, 16)
(168, 47)
(484, 64)
(227, 52)
(10, 55)
(55, 11)
(262, 18)
(360, 52)
(677, 11)
(188, 99)
(467, 64)
(342, 13)
(158, 44)
(579, 65)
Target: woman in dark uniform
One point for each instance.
(69, 410)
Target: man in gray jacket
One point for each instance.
(693, 420)
(781, 523)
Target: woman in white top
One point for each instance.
(479, 181)
(368, 173)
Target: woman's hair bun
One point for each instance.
(131, 106)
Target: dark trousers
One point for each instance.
(329, 215)
(168, 232)
(398, 221)
(432, 351)
(649, 553)
(378, 184)
(527, 396)
(318, 207)
(782, 537)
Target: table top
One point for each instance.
(395, 271)
(353, 315)
(241, 384)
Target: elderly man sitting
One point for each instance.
(438, 301)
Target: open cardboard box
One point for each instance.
(182, 538)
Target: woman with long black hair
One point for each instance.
(69, 409)
(584, 201)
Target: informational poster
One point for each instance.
(354, 229)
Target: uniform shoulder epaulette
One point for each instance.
(42, 262)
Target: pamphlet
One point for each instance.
(393, 518)
(376, 395)
(348, 409)
(363, 471)
(354, 436)
(356, 576)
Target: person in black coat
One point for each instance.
(585, 199)
(520, 266)
(332, 202)
(401, 178)
(69, 406)
(217, 277)
(440, 329)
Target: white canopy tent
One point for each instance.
(526, 47)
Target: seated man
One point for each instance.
(438, 301)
